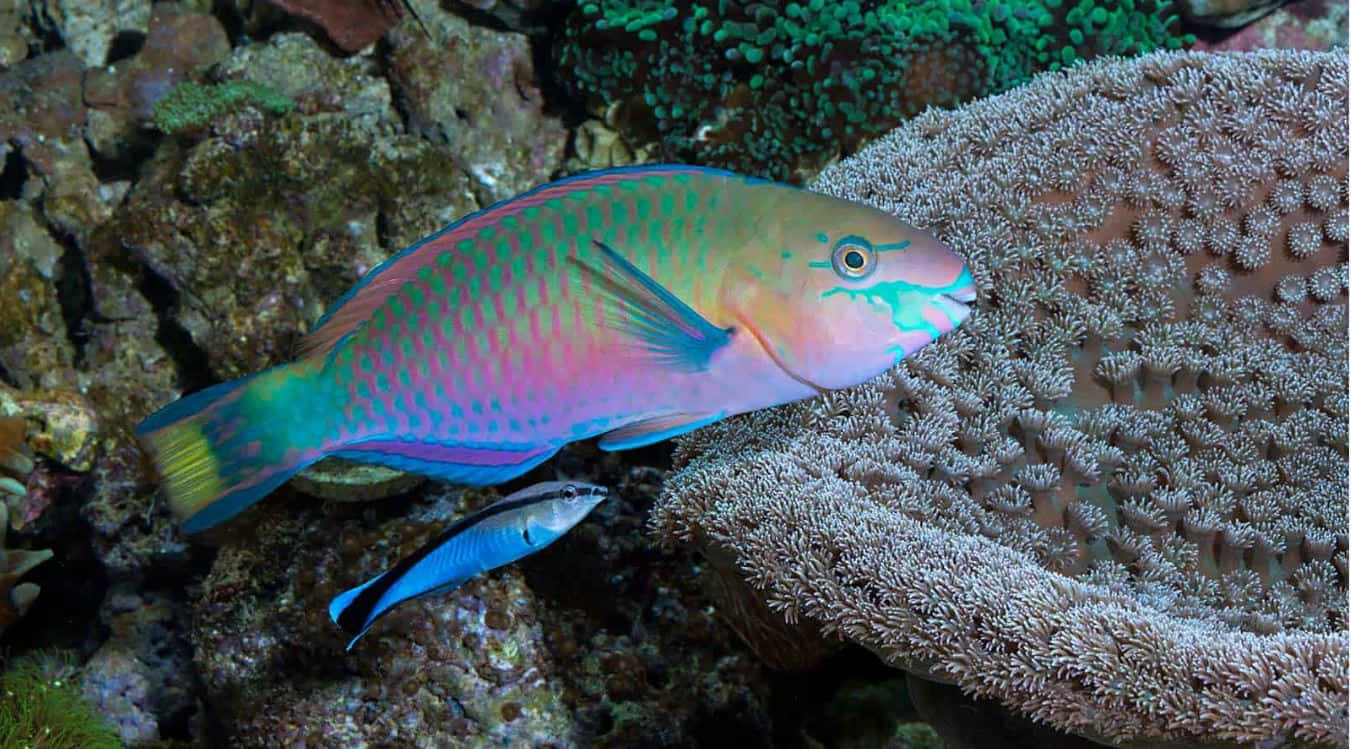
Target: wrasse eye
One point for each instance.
(569, 492)
(854, 258)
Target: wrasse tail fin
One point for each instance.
(357, 609)
(670, 330)
(655, 430)
(221, 449)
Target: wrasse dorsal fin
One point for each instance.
(667, 329)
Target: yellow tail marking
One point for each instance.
(189, 470)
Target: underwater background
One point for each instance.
(1110, 509)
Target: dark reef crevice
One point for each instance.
(190, 360)
(13, 174)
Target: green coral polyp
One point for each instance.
(39, 709)
(722, 80)
(192, 106)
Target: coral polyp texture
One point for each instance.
(1115, 500)
(777, 88)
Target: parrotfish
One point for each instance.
(636, 303)
(501, 533)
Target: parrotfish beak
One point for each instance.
(953, 306)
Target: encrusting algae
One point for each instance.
(1115, 500)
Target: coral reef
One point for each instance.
(192, 106)
(778, 88)
(1115, 500)
(40, 707)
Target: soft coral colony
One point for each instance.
(779, 87)
(1115, 500)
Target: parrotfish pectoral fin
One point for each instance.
(655, 430)
(219, 450)
(668, 328)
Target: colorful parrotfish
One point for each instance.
(636, 303)
(507, 530)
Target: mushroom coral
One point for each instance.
(1115, 500)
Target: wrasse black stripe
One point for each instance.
(353, 618)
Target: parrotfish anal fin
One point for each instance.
(670, 331)
(462, 464)
(655, 430)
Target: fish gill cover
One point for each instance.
(778, 88)
(1115, 500)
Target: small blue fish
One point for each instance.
(504, 531)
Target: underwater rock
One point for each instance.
(1302, 24)
(179, 45)
(90, 27)
(493, 120)
(350, 24)
(597, 146)
(13, 43)
(1226, 14)
(63, 427)
(256, 238)
(1115, 499)
(348, 481)
(42, 114)
(143, 671)
(34, 351)
(297, 67)
(40, 98)
(131, 528)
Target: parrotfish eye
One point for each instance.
(854, 258)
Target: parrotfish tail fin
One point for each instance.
(221, 449)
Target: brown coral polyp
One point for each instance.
(1115, 499)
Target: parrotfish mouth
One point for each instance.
(955, 305)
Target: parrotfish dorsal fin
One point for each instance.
(670, 330)
(356, 306)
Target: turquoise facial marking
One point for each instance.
(822, 238)
(907, 301)
(901, 245)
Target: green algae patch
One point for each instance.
(192, 106)
(41, 709)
